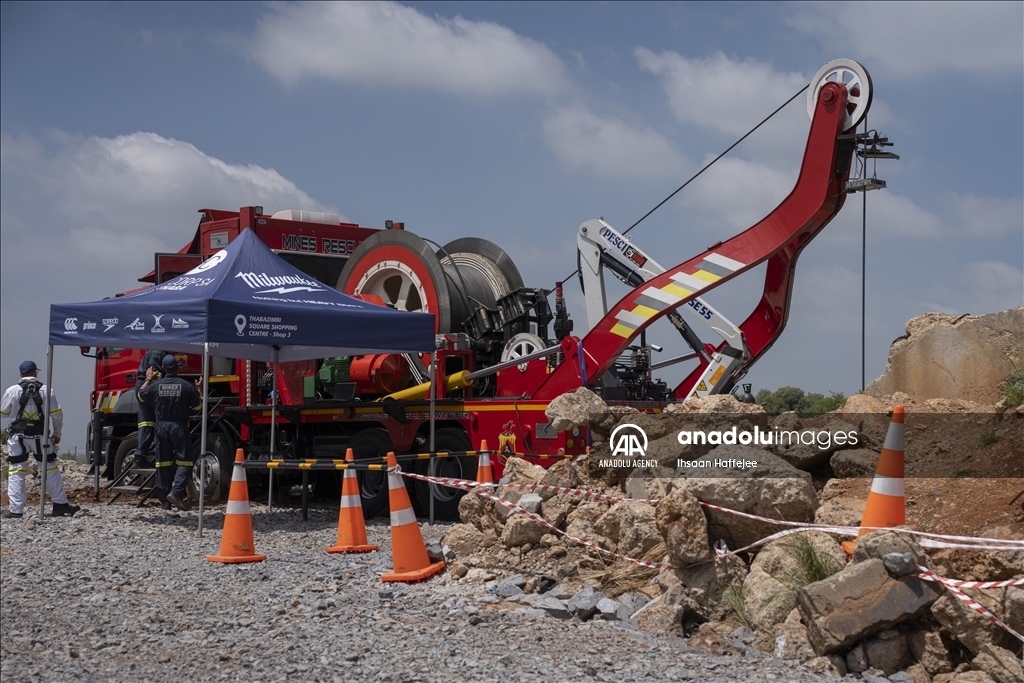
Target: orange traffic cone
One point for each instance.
(351, 527)
(236, 545)
(484, 473)
(408, 552)
(886, 506)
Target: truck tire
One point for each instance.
(125, 457)
(446, 500)
(373, 486)
(220, 457)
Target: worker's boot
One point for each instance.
(178, 502)
(7, 514)
(64, 510)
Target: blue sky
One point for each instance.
(514, 122)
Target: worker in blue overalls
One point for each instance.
(173, 400)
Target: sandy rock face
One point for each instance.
(965, 357)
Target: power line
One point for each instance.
(706, 167)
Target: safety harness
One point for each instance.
(25, 425)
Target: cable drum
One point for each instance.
(405, 272)
(479, 273)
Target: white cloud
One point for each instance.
(80, 219)
(738, 193)
(392, 45)
(987, 216)
(909, 39)
(140, 183)
(611, 147)
(977, 287)
(720, 93)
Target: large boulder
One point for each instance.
(721, 411)
(464, 539)
(769, 591)
(785, 558)
(561, 474)
(970, 628)
(673, 613)
(601, 428)
(855, 463)
(858, 602)
(580, 523)
(638, 531)
(773, 489)
(1012, 603)
(842, 502)
(577, 408)
(649, 483)
(709, 584)
(517, 471)
(928, 649)
(766, 600)
(520, 530)
(791, 641)
(943, 356)
(878, 544)
(887, 651)
(680, 519)
(1000, 664)
(808, 448)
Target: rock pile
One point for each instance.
(799, 597)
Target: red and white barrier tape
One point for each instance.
(722, 550)
(952, 586)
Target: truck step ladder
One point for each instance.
(137, 481)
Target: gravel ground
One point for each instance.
(121, 593)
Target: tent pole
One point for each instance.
(433, 400)
(46, 431)
(96, 446)
(202, 437)
(273, 429)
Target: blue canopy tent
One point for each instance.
(242, 302)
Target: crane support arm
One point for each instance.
(778, 238)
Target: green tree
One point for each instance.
(787, 398)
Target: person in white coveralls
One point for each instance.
(25, 403)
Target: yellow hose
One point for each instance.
(451, 383)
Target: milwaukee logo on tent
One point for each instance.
(279, 284)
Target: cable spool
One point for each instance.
(479, 273)
(403, 270)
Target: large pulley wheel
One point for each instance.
(522, 344)
(858, 88)
(401, 269)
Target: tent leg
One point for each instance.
(273, 429)
(202, 438)
(46, 432)
(433, 400)
(305, 495)
(97, 446)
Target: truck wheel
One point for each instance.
(373, 486)
(446, 500)
(219, 459)
(125, 458)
